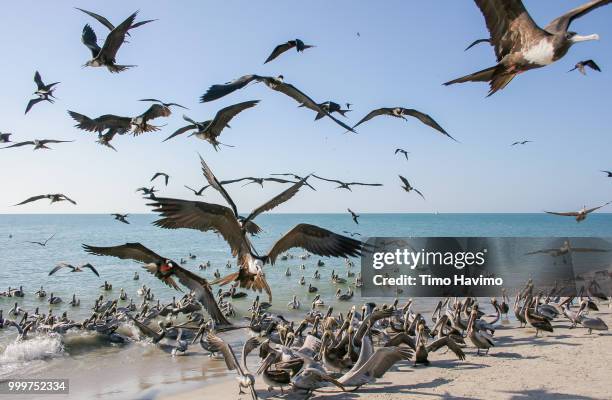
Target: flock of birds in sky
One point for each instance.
(338, 344)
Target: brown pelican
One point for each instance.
(234, 228)
(294, 304)
(312, 289)
(408, 188)
(5, 137)
(41, 293)
(121, 218)
(55, 198)
(281, 48)
(217, 91)
(105, 56)
(346, 185)
(44, 92)
(162, 174)
(579, 215)
(402, 151)
(520, 44)
(533, 318)
(165, 269)
(74, 269)
(521, 142)
(344, 296)
(38, 143)
(591, 323)
(422, 350)
(587, 63)
(54, 299)
(43, 244)
(210, 130)
(245, 379)
(354, 216)
(479, 339)
(400, 112)
(477, 41)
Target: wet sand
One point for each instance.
(565, 364)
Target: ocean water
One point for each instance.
(146, 370)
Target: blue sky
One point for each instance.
(406, 50)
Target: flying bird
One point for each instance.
(609, 173)
(259, 181)
(400, 112)
(38, 143)
(165, 270)
(582, 64)
(580, 215)
(351, 234)
(354, 215)
(566, 248)
(121, 218)
(402, 151)
(44, 92)
(55, 198)
(346, 185)
(408, 187)
(298, 177)
(158, 174)
(43, 244)
(105, 56)
(5, 137)
(521, 142)
(114, 124)
(140, 123)
(210, 130)
(234, 228)
(168, 105)
(478, 41)
(281, 48)
(520, 44)
(108, 24)
(330, 107)
(74, 269)
(147, 191)
(217, 91)
(198, 192)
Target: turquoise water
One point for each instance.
(29, 264)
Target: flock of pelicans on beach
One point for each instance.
(345, 350)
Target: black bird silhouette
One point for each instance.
(158, 174)
(351, 234)
(281, 48)
(147, 191)
(55, 198)
(346, 185)
(198, 192)
(5, 137)
(408, 188)
(108, 24)
(168, 105)
(217, 91)
(38, 143)
(105, 56)
(114, 124)
(521, 142)
(210, 130)
(353, 215)
(608, 172)
(478, 41)
(402, 151)
(299, 178)
(259, 181)
(121, 218)
(165, 270)
(330, 107)
(400, 112)
(43, 244)
(74, 269)
(582, 64)
(44, 92)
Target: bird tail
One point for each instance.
(119, 68)
(485, 75)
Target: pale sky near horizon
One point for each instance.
(404, 53)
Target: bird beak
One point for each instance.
(266, 363)
(579, 38)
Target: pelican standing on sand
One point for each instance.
(520, 44)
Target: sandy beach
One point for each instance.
(565, 364)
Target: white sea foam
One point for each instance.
(37, 348)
